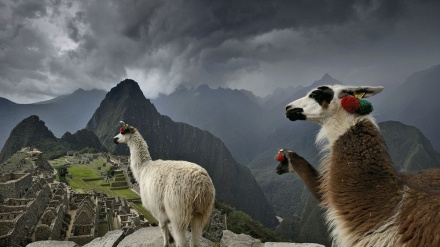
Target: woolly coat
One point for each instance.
(175, 191)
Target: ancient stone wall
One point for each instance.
(57, 231)
(19, 229)
(14, 185)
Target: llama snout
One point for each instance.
(115, 140)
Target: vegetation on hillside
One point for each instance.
(239, 222)
(85, 178)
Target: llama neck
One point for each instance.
(360, 181)
(337, 125)
(139, 154)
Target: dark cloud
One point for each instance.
(29, 9)
(58, 46)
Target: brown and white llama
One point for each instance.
(178, 193)
(367, 202)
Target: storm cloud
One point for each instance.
(52, 47)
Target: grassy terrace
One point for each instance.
(93, 170)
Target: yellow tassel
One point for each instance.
(359, 95)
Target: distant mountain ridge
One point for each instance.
(232, 115)
(61, 114)
(414, 102)
(167, 139)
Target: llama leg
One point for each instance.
(165, 233)
(179, 235)
(196, 231)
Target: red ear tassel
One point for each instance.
(350, 104)
(122, 130)
(279, 157)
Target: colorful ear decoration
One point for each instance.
(125, 128)
(354, 104)
(280, 156)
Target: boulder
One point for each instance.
(231, 239)
(152, 237)
(52, 243)
(110, 239)
(273, 244)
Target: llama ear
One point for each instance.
(122, 123)
(360, 92)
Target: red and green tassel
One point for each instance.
(354, 105)
(125, 129)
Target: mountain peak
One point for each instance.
(326, 80)
(129, 83)
(127, 88)
(327, 77)
(33, 119)
(79, 90)
(29, 131)
(125, 101)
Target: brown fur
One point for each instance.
(309, 175)
(361, 184)
(368, 197)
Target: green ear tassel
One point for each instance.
(365, 107)
(127, 128)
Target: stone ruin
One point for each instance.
(94, 209)
(86, 219)
(35, 207)
(26, 200)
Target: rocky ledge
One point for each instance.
(152, 237)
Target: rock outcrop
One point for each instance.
(152, 237)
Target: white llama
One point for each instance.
(176, 192)
(368, 202)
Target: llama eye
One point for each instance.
(313, 95)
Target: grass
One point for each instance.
(80, 172)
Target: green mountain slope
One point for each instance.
(33, 132)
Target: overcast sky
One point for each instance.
(53, 47)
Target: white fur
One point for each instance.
(176, 192)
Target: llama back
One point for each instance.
(419, 218)
(188, 184)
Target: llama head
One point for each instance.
(323, 102)
(125, 133)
